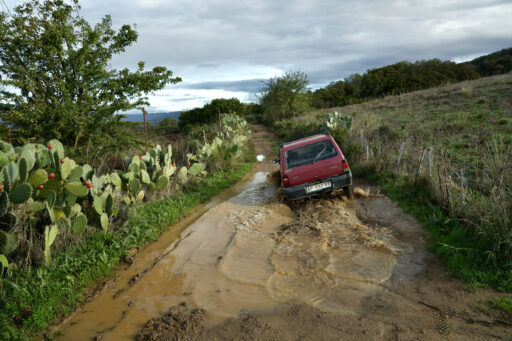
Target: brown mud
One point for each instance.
(251, 266)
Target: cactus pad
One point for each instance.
(182, 175)
(38, 177)
(115, 179)
(134, 186)
(50, 233)
(87, 172)
(12, 170)
(3, 159)
(140, 196)
(77, 189)
(21, 194)
(162, 182)
(98, 205)
(58, 148)
(144, 176)
(197, 168)
(35, 205)
(66, 168)
(134, 167)
(29, 154)
(79, 224)
(4, 203)
(51, 197)
(104, 222)
(109, 203)
(75, 174)
(23, 169)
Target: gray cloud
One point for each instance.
(229, 45)
(249, 85)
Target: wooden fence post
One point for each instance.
(430, 164)
(446, 181)
(419, 165)
(462, 185)
(400, 154)
(145, 129)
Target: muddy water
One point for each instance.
(247, 251)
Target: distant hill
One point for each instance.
(153, 118)
(496, 63)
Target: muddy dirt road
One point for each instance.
(248, 266)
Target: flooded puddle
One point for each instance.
(249, 253)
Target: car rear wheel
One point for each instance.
(349, 191)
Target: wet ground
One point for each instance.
(249, 265)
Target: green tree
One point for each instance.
(54, 69)
(285, 96)
(210, 112)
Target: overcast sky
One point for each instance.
(226, 48)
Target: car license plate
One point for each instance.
(317, 187)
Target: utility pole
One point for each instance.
(145, 128)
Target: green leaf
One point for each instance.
(144, 176)
(79, 224)
(3, 159)
(38, 177)
(98, 205)
(104, 222)
(21, 194)
(77, 188)
(51, 197)
(4, 262)
(197, 168)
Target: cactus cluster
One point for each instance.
(52, 193)
(335, 120)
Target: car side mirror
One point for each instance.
(275, 161)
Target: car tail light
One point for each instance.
(286, 181)
(344, 163)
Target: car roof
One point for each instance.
(305, 141)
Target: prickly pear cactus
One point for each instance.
(196, 168)
(21, 194)
(182, 175)
(79, 224)
(162, 182)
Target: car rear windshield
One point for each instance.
(310, 153)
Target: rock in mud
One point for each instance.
(177, 325)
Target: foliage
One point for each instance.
(504, 304)
(496, 63)
(54, 66)
(392, 79)
(210, 112)
(285, 96)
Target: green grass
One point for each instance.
(504, 304)
(38, 297)
(449, 239)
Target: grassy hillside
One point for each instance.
(446, 154)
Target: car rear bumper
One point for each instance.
(299, 191)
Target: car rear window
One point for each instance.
(310, 153)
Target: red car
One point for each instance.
(311, 164)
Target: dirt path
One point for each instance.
(248, 266)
